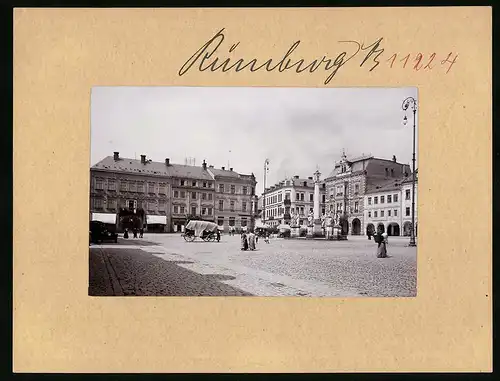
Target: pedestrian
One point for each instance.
(251, 240)
(266, 237)
(369, 235)
(381, 244)
(244, 242)
(141, 233)
(125, 234)
(218, 235)
(135, 232)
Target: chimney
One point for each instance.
(211, 166)
(116, 155)
(296, 177)
(223, 168)
(394, 158)
(143, 159)
(167, 161)
(231, 169)
(310, 178)
(204, 165)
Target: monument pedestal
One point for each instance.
(317, 229)
(294, 231)
(329, 232)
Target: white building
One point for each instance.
(388, 205)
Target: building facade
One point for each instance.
(161, 196)
(348, 182)
(291, 195)
(235, 201)
(388, 207)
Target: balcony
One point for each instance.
(287, 202)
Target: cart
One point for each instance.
(205, 230)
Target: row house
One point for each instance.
(292, 195)
(162, 196)
(235, 200)
(388, 207)
(347, 184)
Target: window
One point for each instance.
(395, 198)
(204, 184)
(176, 194)
(244, 206)
(382, 199)
(132, 204)
(369, 200)
(140, 187)
(151, 187)
(381, 213)
(98, 203)
(310, 210)
(407, 210)
(203, 196)
(280, 197)
(123, 186)
(297, 196)
(287, 196)
(245, 189)
(193, 195)
(161, 189)
(132, 186)
(302, 197)
(209, 211)
(232, 221)
(323, 199)
(176, 209)
(369, 214)
(253, 191)
(339, 206)
(356, 188)
(183, 210)
(151, 206)
(388, 213)
(193, 183)
(375, 200)
(375, 214)
(233, 189)
(392, 172)
(183, 194)
(232, 206)
(311, 197)
(386, 172)
(220, 221)
(331, 207)
(356, 206)
(302, 210)
(111, 185)
(99, 185)
(203, 211)
(193, 210)
(112, 203)
(323, 211)
(161, 205)
(389, 199)
(183, 182)
(221, 205)
(408, 194)
(243, 222)
(210, 197)
(395, 212)
(221, 188)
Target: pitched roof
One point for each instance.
(228, 173)
(378, 186)
(152, 168)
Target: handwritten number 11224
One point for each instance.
(420, 61)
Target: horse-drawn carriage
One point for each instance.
(205, 230)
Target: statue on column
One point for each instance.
(310, 219)
(294, 219)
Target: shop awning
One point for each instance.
(156, 220)
(107, 218)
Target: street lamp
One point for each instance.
(266, 169)
(407, 103)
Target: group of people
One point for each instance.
(134, 232)
(250, 239)
(380, 239)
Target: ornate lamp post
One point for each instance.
(266, 169)
(410, 102)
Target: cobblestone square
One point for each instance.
(166, 265)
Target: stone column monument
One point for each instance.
(317, 229)
(294, 225)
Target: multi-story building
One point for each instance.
(347, 184)
(388, 207)
(291, 195)
(161, 196)
(235, 202)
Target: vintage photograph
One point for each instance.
(253, 191)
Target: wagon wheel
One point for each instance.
(211, 237)
(189, 237)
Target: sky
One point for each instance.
(297, 129)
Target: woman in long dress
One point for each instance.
(381, 245)
(244, 242)
(251, 240)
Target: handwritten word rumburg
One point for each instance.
(206, 58)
